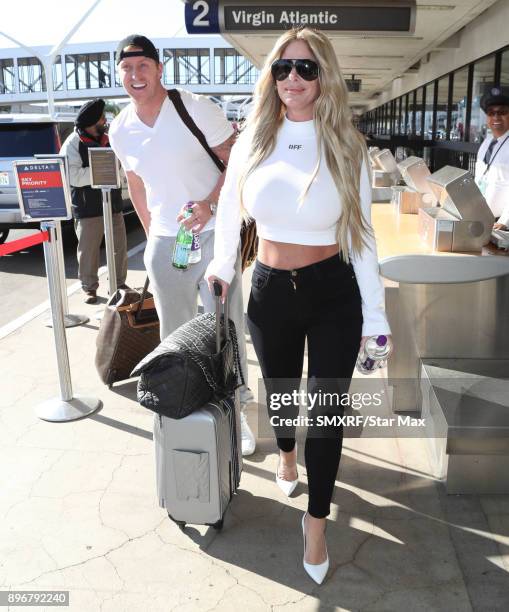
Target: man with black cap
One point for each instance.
(167, 167)
(87, 209)
(492, 166)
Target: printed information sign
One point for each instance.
(103, 168)
(42, 190)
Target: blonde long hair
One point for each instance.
(344, 146)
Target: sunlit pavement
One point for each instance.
(79, 510)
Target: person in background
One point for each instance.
(492, 165)
(87, 208)
(167, 167)
(301, 170)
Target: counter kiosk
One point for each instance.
(449, 315)
(385, 174)
(417, 192)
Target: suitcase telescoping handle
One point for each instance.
(217, 293)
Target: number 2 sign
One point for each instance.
(202, 17)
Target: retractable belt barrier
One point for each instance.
(23, 243)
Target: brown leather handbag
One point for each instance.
(129, 331)
(248, 235)
(248, 243)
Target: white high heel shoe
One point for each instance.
(287, 486)
(316, 571)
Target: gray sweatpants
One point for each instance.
(176, 291)
(90, 232)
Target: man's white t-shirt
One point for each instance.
(173, 165)
(497, 176)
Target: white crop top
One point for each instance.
(271, 196)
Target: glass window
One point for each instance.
(58, 84)
(442, 102)
(410, 119)
(393, 116)
(26, 139)
(31, 75)
(418, 111)
(395, 125)
(484, 76)
(399, 116)
(88, 70)
(7, 83)
(186, 66)
(404, 114)
(459, 104)
(429, 91)
(504, 71)
(230, 68)
(118, 82)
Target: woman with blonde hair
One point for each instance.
(299, 169)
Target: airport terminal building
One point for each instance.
(420, 519)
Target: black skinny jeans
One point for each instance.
(320, 303)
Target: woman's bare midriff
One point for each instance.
(287, 256)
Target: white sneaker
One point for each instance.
(248, 439)
(246, 395)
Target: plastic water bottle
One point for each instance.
(183, 243)
(195, 254)
(374, 354)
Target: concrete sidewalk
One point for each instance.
(79, 511)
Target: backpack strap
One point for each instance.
(175, 98)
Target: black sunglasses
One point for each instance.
(306, 69)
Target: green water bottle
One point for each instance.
(183, 243)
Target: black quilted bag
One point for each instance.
(197, 363)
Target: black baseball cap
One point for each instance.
(136, 40)
(494, 97)
(90, 113)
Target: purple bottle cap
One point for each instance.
(381, 340)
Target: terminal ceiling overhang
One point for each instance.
(374, 58)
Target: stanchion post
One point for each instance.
(43, 196)
(70, 320)
(61, 268)
(108, 239)
(105, 176)
(57, 314)
(68, 407)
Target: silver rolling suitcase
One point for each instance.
(199, 459)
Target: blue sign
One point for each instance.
(42, 190)
(202, 16)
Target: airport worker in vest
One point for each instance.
(167, 168)
(87, 208)
(492, 166)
